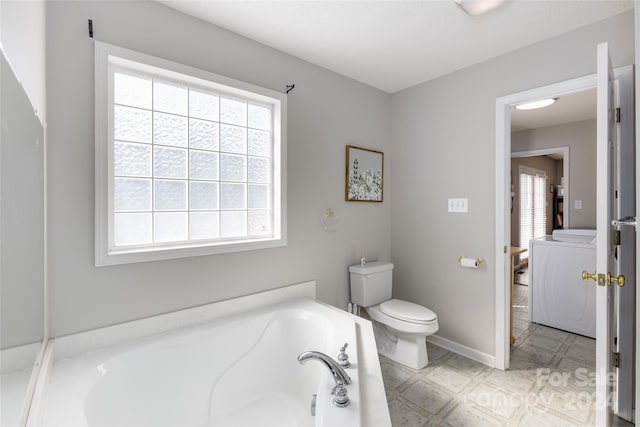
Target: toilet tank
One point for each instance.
(370, 284)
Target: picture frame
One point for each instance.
(364, 181)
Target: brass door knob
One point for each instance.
(620, 280)
(586, 276)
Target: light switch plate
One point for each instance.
(458, 205)
(577, 204)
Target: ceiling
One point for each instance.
(570, 108)
(393, 45)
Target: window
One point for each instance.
(533, 205)
(187, 162)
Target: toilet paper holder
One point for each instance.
(471, 262)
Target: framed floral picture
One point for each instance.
(364, 175)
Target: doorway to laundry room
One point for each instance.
(548, 197)
(562, 356)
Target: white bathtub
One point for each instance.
(240, 370)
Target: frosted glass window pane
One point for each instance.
(132, 90)
(170, 195)
(170, 227)
(203, 195)
(233, 224)
(170, 98)
(259, 170)
(259, 143)
(131, 159)
(203, 135)
(170, 130)
(233, 139)
(259, 117)
(233, 196)
(203, 105)
(132, 229)
(204, 225)
(169, 162)
(233, 112)
(131, 124)
(259, 196)
(203, 165)
(232, 168)
(259, 222)
(131, 194)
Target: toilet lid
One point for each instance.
(407, 311)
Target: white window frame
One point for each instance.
(105, 253)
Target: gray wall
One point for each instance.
(325, 112)
(21, 215)
(444, 146)
(580, 137)
(559, 171)
(22, 34)
(542, 163)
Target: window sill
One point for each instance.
(171, 252)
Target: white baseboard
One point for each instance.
(463, 350)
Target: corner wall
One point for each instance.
(325, 113)
(444, 147)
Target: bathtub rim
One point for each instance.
(371, 386)
(109, 336)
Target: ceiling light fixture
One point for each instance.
(536, 104)
(479, 7)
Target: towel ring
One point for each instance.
(330, 221)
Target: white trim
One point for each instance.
(503, 194)
(637, 122)
(34, 415)
(105, 55)
(604, 211)
(20, 360)
(463, 350)
(531, 171)
(33, 382)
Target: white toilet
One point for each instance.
(400, 327)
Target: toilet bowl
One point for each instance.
(400, 327)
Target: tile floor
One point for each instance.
(548, 383)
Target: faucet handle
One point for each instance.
(343, 357)
(341, 398)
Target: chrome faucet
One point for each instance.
(339, 375)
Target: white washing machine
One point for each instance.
(557, 295)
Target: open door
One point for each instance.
(604, 243)
(625, 245)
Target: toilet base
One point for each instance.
(408, 350)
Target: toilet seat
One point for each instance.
(408, 312)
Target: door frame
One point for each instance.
(503, 194)
(503, 219)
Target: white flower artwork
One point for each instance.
(364, 175)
